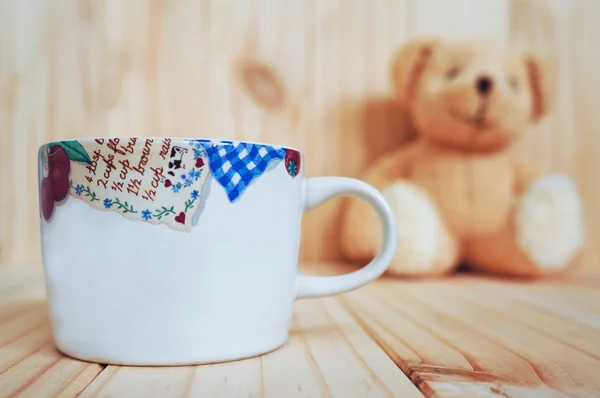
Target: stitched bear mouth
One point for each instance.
(478, 120)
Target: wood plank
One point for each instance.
(465, 336)
(351, 363)
(21, 348)
(22, 323)
(487, 19)
(30, 365)
(504, 355)
(461, 337)
(437, 373)
(557, 327)
(24, 373)
(556, 364)
(566, 141)
(150, 68)
(327, 354)
(549, 302)
(106, 68)
(81, 381)
(586, 296)
(66, 378)
(426, 346)
(92, 389)
(143, 382)
(236, 379)
(454, 339)
(46, 372)
(583, 279)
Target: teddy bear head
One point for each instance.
(469, 94)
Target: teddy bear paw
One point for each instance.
(549, 222)
(424, 246)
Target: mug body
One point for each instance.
(169, 251)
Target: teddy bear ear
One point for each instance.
(540, 85)
(408, 64)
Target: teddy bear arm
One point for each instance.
(398, 165)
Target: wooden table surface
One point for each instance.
(459, 337)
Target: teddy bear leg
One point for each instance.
(544, 235)
(425, 246)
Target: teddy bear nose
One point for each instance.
(484, 85)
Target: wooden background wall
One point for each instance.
(307, 73)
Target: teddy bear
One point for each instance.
(459, 193)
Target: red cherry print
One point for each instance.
(47, 198)
(167, 183)
(180, 218)
(57, 156)
(292, 162)
(60, 182)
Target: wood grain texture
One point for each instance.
(567, 140)
(327, 355)
(465, 336)
(310, 74)
(478, 337)
(30, 365)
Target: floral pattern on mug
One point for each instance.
(143, 179)
(153, 180)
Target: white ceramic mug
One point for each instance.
(172, 251)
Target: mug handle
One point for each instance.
(318, 190)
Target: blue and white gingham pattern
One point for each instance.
(236, 165)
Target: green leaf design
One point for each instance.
(160, 213)
(124, 207)
(90, 193)
(75, 151)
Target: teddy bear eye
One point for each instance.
(513, 83)
(452, 72)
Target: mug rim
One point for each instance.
(215, 141)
